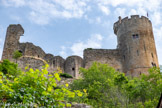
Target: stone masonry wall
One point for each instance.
(110, 57)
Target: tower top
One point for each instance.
(129, 21)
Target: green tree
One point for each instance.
(16, 55)
(109, 88)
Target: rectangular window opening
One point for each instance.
(135, 36)
(152, 55)
(137, 53)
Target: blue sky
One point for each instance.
(66, 27)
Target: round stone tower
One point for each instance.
(12, 41)
(72, 65)
(136, 44)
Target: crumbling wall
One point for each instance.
(58, 62)
(12, 41)
(29, 49)
(31, 62)
(105, 56)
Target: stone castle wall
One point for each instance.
(135, 53)
(105, 56)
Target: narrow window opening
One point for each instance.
(135, 36)
(152, 55)
(144, 47)
(153, 64)
(73, 69)
(38, 56)
(137, 53)
(124, 57)
(54, 62)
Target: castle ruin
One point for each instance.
(135, 53)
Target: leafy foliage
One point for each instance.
(9, 69)
(89, 48)
(65, 75)
(109, 88)
(36, 88)
(17, 54)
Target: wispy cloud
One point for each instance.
(95, 41)
(2, 31)
(15, 3)
(104, 9)
(43, 11)
(63, 51)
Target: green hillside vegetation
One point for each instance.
(100, 86)
(107, 88)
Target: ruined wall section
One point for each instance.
(105, 56)
(58, 62)
(29, 49)
(136, 44)
(12, 41)
(31, 62)
(72, 65)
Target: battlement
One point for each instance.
(134, 19)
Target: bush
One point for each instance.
(65, 75)
(37, 88)
(17, 54)
(9, 69)
(109, 88)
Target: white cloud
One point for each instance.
(158, 33)
(15, 3)
(120, 12)
(104, 9)
(159, 52)
(43, 11)
(93, 42)
(16, 18)
(2, 31)
(39, 19)
(63, 51)
(156, 16)
(49, 10)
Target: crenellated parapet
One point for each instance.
(131, 22)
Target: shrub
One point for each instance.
(17, 54)
(89, 48)
(35, 87)
(9, 69)
(65, 75)
(109, 88)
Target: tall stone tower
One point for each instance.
(136, 44)
(12, 41)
